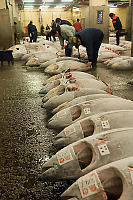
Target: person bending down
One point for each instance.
(91, 38)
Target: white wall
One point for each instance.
(2, 4)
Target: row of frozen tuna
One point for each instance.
(36, 54)
(120, 63)
(96, 138)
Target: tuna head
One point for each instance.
(51, 69)
(55, 91)
(94, 186)
(65, 117)
(69, 162)
(75, 132)
(49, 86)
(70, 115)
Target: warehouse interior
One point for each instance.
(66, 130)
(43, 11)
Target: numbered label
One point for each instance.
(61, 113)
(65, 156)
(69, 131)
(105, 124)
(87, 111)
(103, 149)
(89, 185)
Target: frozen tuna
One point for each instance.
(64, 80)
(77, 112)
(83, 156)
(55, 101)
(82, 99)
(81, 83)
(112, 181)
(94, 125)
(63, 65)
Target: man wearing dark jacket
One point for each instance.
(53, 31)
(91, 38)
(117, 26)
(30, 31)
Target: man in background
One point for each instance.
(42, 30)
(15, 33)
(48, 36)
(77, 25)
(53, 31)
(117, 26)
(34, 33)
(30, 31)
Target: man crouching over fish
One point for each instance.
(91, 38)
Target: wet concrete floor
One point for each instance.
(25, 142)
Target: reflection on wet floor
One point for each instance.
(25, 142)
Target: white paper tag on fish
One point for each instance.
(103, 148)
(61, 113)
(64, 156)
(87, 111)
(69, 131)
(89, 185)
(105, 124)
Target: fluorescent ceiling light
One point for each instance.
(47, 1)
(44, 6)
(59, 6)
(28, 1)
(66, 0)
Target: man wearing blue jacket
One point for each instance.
(91, 38)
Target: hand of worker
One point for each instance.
(62, 48)
(88, 64)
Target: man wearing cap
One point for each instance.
(91, 38)
(66, 33)
(61, 22)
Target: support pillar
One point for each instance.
(6, 37)
(98, 2)
(8, 14)
(128, 23)
(131, 3)
(97, 16)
